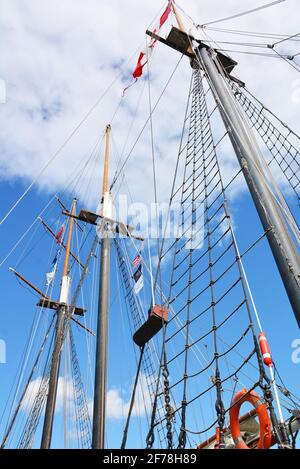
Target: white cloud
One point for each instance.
(118, 400)
(57, 58)
(64, 391)
(118, 405)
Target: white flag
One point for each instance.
(139, 280)
(50, 275)
(139, 285)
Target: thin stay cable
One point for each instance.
(294, 65)
(117, 175)
(154, 179)
(69, 138)
(248, 12)
(286, 39)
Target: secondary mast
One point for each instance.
(99, 415)
(105, 225)
(59, 338)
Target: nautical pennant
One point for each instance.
(139, 280)
(50, 276)
(145, 55)
(58, 236)
(137, 260)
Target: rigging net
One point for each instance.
(209, 344)
(149, 366)
(282, 142)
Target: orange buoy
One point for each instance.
(265, 438)
(265, 349)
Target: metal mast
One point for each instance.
(249, 156)
(59, 338)
(99, 415)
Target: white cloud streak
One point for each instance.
(118, 400)
(57, 58)
(118, 405)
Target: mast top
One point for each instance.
(68, 246)
(181, 41)
(106, 161)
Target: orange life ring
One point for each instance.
(265, 437)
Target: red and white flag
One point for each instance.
(58, 236)
(146, 54)
(137, 260)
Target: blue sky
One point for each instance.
(18, 307)
(74, 55)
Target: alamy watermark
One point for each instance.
(296, 91)
(2, 352)
(2, 91)
(296, 352)
(158, 220)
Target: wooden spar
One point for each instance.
(37, 290)
(65, 210)
(59, 339)
(83, 327)
(45, 298)
(70, 234)
(178, 18)
(92, 219)
(181, 25)
(105, 174)
(62, 244)
(181, 42)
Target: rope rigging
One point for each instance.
(83, 419)
(289, 58)
(285, 39)
(281, 141)
(248, 12)
(147, 366)
(120, 170)
(256, 34)
(25, 391)
(80, 407)
(208, 348)
(196, 278)
(77, 127)
(125, 434)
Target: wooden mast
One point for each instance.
(59, 339)
(106, 225)
(106, 161)
(68, 247)
(178, 18)
(180, 24)
(99, 415)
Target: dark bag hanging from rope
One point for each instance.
(157, 317)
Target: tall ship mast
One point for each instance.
(166, 303)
